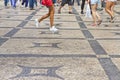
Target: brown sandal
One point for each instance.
(99, 22)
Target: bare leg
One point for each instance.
(112, 8)
(94, 6)
(98, 16)
(70, 9)
(44, 17)
(51, 11)
(108, 8)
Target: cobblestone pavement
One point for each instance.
(77, 52)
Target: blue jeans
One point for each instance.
(31, 4)
(95, 1)
(6, 2)
(13, 3)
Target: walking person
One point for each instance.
(96, 17)
(49, 4)
(109, 9)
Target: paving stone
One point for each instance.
(77, 52)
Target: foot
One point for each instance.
(53, 29)
(32, 9)
(59, 12)
(112, 19)
(82, 12)
(99, 22)
(36, 22)
(70, 12)
(94, 24)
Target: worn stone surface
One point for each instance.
(78, 51)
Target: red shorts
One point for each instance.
(47, 2)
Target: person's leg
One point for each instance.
(70, 6)
(14, 3)
(62, 4)
(59, 10)
(78, 2)
(51, 12)
(112, 8)
(73, 2)
(43, 17)
(23, 1)
(94, 7)
(82, 6)
(31, 4)
(26, 4)
(98, 18)
(37, 21)
(11, 3)
(35, 2)
(70, 9)
(5, 3)
(108, 8)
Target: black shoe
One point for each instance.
(82, 12)
(32, 9)
(70, 13)
(59, 12)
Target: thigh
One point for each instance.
(108, 4)
(112, 5)
(51, 9)
(94, 7)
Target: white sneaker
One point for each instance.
(22, 6)
(36, 23)
(53, 29)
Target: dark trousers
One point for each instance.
(26, 3)
(31, 4)
(6, 2)
(78, 2)
(82, 5)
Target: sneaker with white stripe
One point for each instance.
(36, 22)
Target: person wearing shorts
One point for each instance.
(69, 2)
(110, 9)
(49, 4)
(96, 18)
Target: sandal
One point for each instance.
(99, 22)
(93, 24)
(112, 20)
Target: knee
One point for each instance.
(107, 9)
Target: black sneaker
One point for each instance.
(82, 12)
(70, 12)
